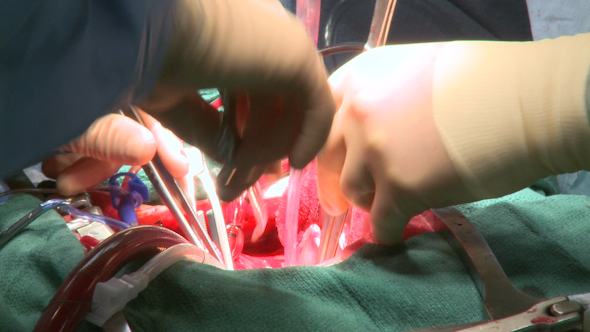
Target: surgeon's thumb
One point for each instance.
(116, 139)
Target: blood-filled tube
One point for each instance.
(73, 300)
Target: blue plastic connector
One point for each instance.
(126, 204)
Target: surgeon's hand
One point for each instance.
(385, 154)
(431, 125)
(111, 142)
(255, 47)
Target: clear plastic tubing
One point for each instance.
(73, 300)
(209, 186)
(93, 217)
(308, 13)
(62, 205)
(260, 211)
(23, 222)
(161, 262)
(54, 191)
(167, 258)
(292, 216)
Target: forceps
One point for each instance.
(216, 224)
(175, 199)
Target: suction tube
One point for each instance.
(73, 300)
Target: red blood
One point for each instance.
(269, 244)
(103, 200)
(543, 320)
(422, 223)
(156, 215)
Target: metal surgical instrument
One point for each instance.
(509, 309)
(217, 224)
(500, 298)
(175, 199)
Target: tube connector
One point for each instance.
(113, 295)
(126, 204)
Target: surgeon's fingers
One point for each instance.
(117, 139)
(276, 5)
(356, 182)
(387, 223)
(54, 165)
(109, 143)
(330, 161)
(329, 169)
(193, 120)
(319, 108)
(338, 84)
(268, 129)
(169, 147)
(84, 174)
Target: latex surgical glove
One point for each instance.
(431, 125)
(255, 47)
(111, 142)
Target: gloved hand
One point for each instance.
(251, 46)
(111, 142)
(432, 125)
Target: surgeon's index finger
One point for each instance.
(315, 128)
(268, 131)
(117, 139)
(170, 148)
(330, 160)
(330, 163)
(193, 120)
(387, 223)
(85, 173)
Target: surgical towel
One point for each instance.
(34, 264)
(539, 237)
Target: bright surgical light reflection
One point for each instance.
(276, 189)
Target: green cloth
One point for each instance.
(539, 238)
(34, 264)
